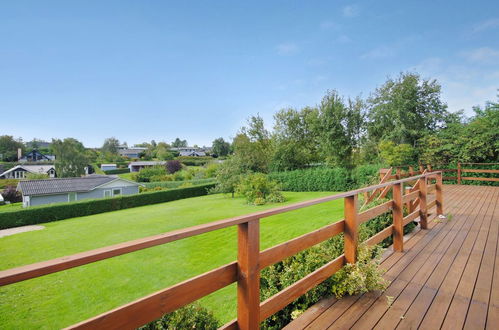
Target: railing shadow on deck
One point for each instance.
(250, 261)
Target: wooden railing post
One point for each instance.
(423, 210)
(458, 173)
(351, 229)
(439, 194)
(248, 281)
(398, 218)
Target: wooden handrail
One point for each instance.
(246, 270)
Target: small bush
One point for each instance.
(10, 194)
(315, 179)
(173, 166)
(151, 174)
(176, 184)
(187, 318)
(258, 189)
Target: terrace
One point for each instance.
(442, 275)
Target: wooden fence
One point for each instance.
(250, 260)
(458, 174)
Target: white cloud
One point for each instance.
(379, 52)
(486, 25)
(484, 55)
(350, 11)
(286, 48)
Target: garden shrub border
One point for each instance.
(55, 212)
(118, 171)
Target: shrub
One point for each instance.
(10, 194)
(187, 318)
(176, 184)
(315, 179)
(150, 174)
(258, 189)
(4, 183)
(54, 212)
(118, 171)
(173, 166)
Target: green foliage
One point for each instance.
(361, 277)
(70, 158)
(110, 145)
(151, 174)
(258, 189)
(405, 109)
(228, 176)
(118, 171)
(395, 154)
(186, 318)
(37, 176)
(314, 179)
(54, 212)
(8, 148)
(179, 143)
(220, 147)
(176, 184)
(8, 182)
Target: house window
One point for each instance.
(107, 193)
(71, 197)
(116, 191)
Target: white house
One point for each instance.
(22, 171)
(108, 167)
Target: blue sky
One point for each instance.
(143, 70)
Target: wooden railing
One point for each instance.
(250, 260)
(404, 171)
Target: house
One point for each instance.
(108, 167)
(131, 152)
(190, 151)
(39, 192)
(22, 171)
(137, 166)
(36, 156)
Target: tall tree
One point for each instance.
(252, 146)
(179, 143)
(405, 109)
(8, 148)
(110, 145)
(220, 147)
(70, 158)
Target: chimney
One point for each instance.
(19, 153)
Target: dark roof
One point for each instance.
(63, 185)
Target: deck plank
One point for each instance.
(446, 278)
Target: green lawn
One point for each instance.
(126, 176)
(64, 298)
(11, 207)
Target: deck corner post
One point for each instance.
(439, 194)
(351, 229)
(423, 210)
(398, 218)
(248, 282)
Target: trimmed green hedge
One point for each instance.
(327, 179)
(118, 171)
(55, 212)
(176, 184)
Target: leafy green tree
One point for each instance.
(395, 154)
(110, 145)
(259, 189)
(405, 109)
(220, 147)
(71, 157)
(339, 128)
(8, 148)
(163, 151)
(179, 143)
(253, 146)
(228, 176)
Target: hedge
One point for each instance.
(327, 179)
(176, 184)
(118, 171)
(55, 212)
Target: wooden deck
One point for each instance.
(447, 277)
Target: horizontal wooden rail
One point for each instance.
(470, 178)
(287, 249)
(375, 211)
(479, 171)
(379, 237)
(410, 217)
(246, 270)
(144, 310)
(432, 187)
(432, 203)
(410, 196)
